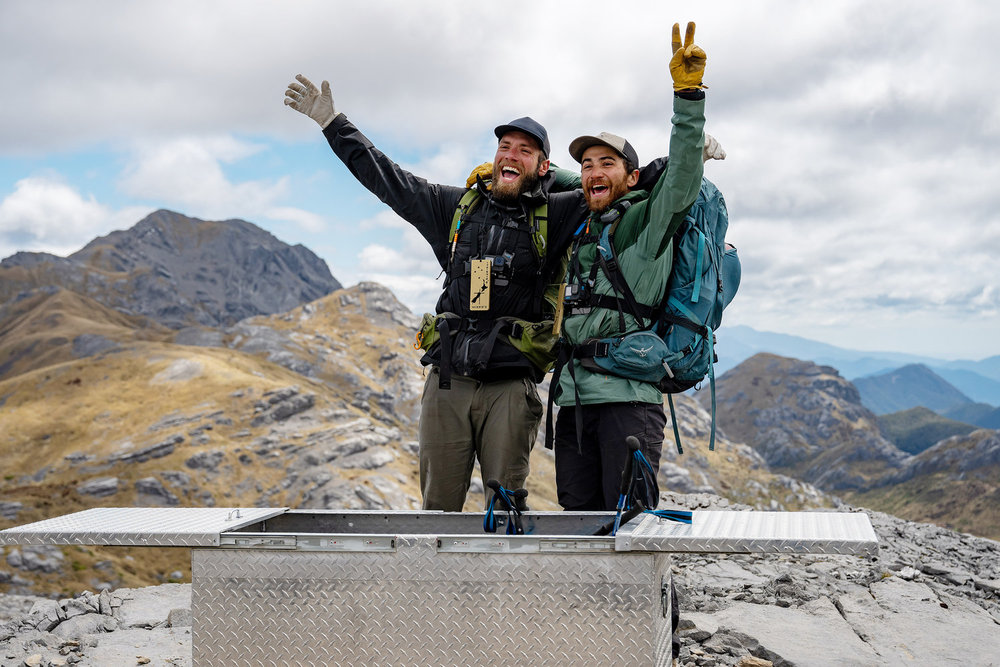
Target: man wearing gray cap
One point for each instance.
(598, 410)
(498, 244)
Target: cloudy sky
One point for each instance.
(862, 177)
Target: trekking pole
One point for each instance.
(680, 516)
(519, 495)
(645, 474)
(625, 489)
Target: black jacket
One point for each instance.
(492, 229)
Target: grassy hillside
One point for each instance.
(916, 429)
(207, 426)
(971, 507)
(49, 327)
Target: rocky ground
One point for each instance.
(931, 597)
(143, 626)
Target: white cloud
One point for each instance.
(402, 261)
(410, 254)
(189, 171)
(384, 219)
(306, 221)
(452, 162)
(44, 214)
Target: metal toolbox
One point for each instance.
(279, 586)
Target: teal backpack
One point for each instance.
(704, 279)
(676, 350)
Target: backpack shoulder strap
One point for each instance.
(465, 206)
(538, 221)
(607, 259)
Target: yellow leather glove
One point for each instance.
(688, 62)
(484, 171)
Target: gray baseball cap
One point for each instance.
(613, 141)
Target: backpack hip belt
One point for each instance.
(446, 327)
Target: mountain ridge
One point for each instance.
(805, 420)
(180, 271)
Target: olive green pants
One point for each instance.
(495, 423)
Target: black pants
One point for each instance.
(589, 478)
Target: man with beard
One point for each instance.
(479, 401)
(598, 411)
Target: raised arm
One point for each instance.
(427, 206)
(677, 189)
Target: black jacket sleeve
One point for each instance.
(427, 206)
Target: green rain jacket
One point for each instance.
(643, 242)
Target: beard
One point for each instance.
(508, 191)
(617, 189)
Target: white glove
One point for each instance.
(712, 150)
(306, 98)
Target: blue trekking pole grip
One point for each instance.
(507, 500)
(489, 521)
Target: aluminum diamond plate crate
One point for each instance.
(279, 587)
(423, 588)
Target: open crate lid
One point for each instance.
(139, 526)
(815, 532)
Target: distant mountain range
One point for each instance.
(907, 387)
(979, 381)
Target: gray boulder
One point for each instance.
(208, 460)
(36, 558)
(9, 510)
(101, 487)
(152, 493)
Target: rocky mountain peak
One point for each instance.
(806, 421)
(181, 271)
